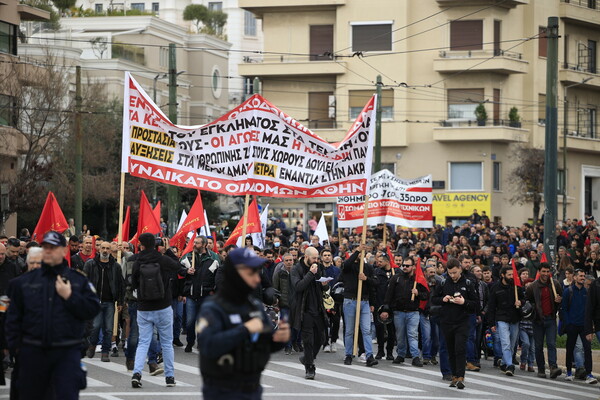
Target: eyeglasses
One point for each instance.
(406, 265)
(34, 262)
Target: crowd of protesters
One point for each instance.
(470, 305)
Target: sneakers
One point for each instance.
(371, 361)
(454, 381)
(155, 369)
(380, 355)
(581, 374)
(310, 372)
(416, 362)
(327, 349)
(348, 360)
(590, 380)
(91, 350)
(136, 381)
(426, 361)
(447, 378)
(460, 383)
(159, 358)
(398, 360)
(510, 370)
(300, 348)
(389, 357)
(472, 367)
(188, 348)
(333, 348)
(105, 357)
(170, 380)
(569, 377)
(288, 350)
(362, 358)
(295, 347)
(177, 343)
(555, 372)
(541, 374)
(434, 361)
(129, 364)
(114, 352)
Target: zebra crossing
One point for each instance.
(284, 378)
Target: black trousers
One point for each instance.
(334, 324)
(456, 341)
(386, 336)
(313, 333)
(572, 333)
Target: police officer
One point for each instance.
(234, 333)
(45, 324)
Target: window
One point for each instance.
(163, 57)
(8, 38)
(462, 103)
(497, 176)
(216, 82)
(560, 181)
(542, 109)
(249, 24)
(372, 37)
(358, 99)
(497, 36)
(321, 42)
(155, 7)
(591, 56)
(466, 35)
(8, 110)
(389, 166)
(98, 8)
(215, 5)
(318, 111)
(542, 42)
(466, 176)
(137, 6)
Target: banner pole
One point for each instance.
(384, 235)
(245, 224)
(120, 244)
(360, 271)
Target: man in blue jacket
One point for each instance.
(45, 321)
(573, 312)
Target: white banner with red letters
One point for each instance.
(254, 149)
(392, 200)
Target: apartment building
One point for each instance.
(439, 60)
(12, 12)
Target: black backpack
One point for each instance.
(152, 286)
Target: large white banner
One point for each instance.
(392, 200)
(254, 149)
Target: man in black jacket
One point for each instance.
(79, 259)
(504, 316)
(105, 273)
(403, 298)
(458, 297)
(350, 276)
(592, 311)
(308, 312)
(154, 311)
(383, 274)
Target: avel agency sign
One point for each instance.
(254, 149)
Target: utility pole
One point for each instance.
(172, 191)
(551, 142)
(378, 126)
(78, 153)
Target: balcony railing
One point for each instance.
(480, 53)
(259, 59)
(592, 4)
(583, 133)
(464, 122)
(582, 67)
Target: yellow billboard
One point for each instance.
(458, 205)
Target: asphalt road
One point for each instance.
(284, 379)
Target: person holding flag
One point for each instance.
(505, 300)
(403, 297)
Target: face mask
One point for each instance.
(276, 244)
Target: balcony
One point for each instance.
(503, 4)
(575, 73)
(285, 65)
(581, 141)
(462, 130)
(580, 12)
(13, 143)
(29, 13)
(259, 7)
(497, 61)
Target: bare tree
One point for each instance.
(528, 177)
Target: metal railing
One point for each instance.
(591, 4)
(581, 68)
(480, 53)
(461, 123)
(584, 133)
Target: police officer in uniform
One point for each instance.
(45, 325)
(234, 333)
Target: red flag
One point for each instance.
(190, 246)
(125, 228)
(516, 278)
(193, 221)
(51, 219)
(134, 242)
(147, 222)
(93, 255)
(543, 259)
(391, 257)
(156, 212)
(253, 225)
(215, 247)
(68, 255)
(419, 276)
(537, 276)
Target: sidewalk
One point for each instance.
(562, 354)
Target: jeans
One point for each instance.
(163, 321)
(104, 320)
(508, 333)
(497, 346)
(177, 307)
(574, 332)
(192, 309)
(132, 340)
(407, 324)
(444, 362)
(527, 348)
(471, 339)
(578, 354)
(364, 323)
(547, 329)
(425, 328)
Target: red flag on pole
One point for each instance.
(93, 255)
(125, 228)
(419, 276)
(156, 212)
(193, 221)
(391, 257)
(215, 247)
(190, 246)
(147, 221)
(51, 219)
(253, 225)
(516, 278)
(543, 259)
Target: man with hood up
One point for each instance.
(235, 335)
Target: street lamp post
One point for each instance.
(565, 130)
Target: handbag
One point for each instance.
(328, 301)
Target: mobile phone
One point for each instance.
(64, 279)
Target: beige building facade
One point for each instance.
(440, 59)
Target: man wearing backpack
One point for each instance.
(151, 279)
(200, 283)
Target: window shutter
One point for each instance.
(321, 41)
(372, 37)
(466, 35)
